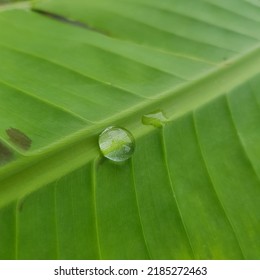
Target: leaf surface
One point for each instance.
(69, 69)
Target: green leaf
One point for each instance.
(70, 69)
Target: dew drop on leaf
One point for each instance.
(116, 143)
(156, 119)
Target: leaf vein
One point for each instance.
(173, 192)
(138, 210)
(213, 184)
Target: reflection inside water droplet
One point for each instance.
(156, 119)
(116, 143)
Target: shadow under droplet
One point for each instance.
(6, 154)
(19, 138)
(20, 205)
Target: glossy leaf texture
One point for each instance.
(70, 69)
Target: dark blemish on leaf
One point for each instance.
(69, 21)
(19, 138)
(6, 154)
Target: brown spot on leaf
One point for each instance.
(6, 154)
(19, 138)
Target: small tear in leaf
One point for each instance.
(19, 138)
(69, 21)
(6, 154)
(156, 119)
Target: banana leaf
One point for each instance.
(183, 77)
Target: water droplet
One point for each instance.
(116, 143)
(156, 119)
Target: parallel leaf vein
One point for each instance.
(46, 102)
(164, 149)
(241, 142)
(73, 70)
(172, 33)
(94, 187)
(138, 210)
(213, 184)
